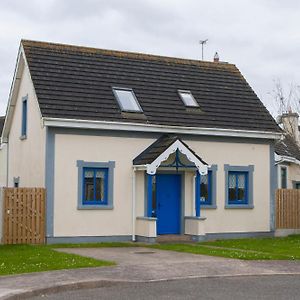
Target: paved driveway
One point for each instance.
(141, 265)
(144, 264)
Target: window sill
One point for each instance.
(23, 137)
(208, 206)
(242, 206)
(94, 207)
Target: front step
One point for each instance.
(173, 238)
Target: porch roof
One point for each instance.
(162, 148)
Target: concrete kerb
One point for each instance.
(61, 288)
(108, 283)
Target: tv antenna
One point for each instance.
(203, 42)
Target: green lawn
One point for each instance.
(287, 248)
(17, 259)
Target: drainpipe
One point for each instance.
(194, 196)
(133, 203)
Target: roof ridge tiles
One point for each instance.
(128, 54)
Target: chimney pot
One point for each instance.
(216, 57)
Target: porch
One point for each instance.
(167, 175)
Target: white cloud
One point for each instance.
(261, 37)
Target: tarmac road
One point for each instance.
(226, 288)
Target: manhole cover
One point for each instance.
(144, 252)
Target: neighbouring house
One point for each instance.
(3, 167)
(133, 146)
(287, 153)
(3, 156)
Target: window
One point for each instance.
(237, 188)
(188, 99)
(94, 186)
(127, 100)
(206, 188)
(283, 176)
(24, 117)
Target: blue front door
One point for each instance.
(168, 195)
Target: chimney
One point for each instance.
(216, 57)
(290, 125)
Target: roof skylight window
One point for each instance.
(127, 100)
(188, 99)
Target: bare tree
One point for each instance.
(288, 106)
(287, 100)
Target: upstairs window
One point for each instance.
(24, 117)
(127, 100)
(188, 99)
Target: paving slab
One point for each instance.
(137, 264)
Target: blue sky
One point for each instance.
(261, 37)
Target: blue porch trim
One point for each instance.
(149, 195)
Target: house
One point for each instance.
(3, 166)
(134, 146)
(287, 153)
(3, 156)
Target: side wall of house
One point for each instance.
(26, 156)
(3, 170)
(293, 174)
(68, 221)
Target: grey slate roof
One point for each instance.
(288, 147)
(2, 119)
(157, 148)
(76, 83)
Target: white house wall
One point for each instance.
(68, 221)
(3, 164)
(27, 157)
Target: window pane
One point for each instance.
(88, 185)
(204, 188)
(127, 100)
(188, 98)
(241, 179)
(100, 177)
(232, 187)
(283, 178)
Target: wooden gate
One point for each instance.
(24, 215)
(287, 209)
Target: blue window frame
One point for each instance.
(204, 182)
(237, 187)
(95, 186)
(24, 117)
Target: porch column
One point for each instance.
(149, 195)
(197, 196)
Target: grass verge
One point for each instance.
(287, 248)
(18, 259)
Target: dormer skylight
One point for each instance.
(188, 99)
(127, 100)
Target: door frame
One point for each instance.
(182, 195)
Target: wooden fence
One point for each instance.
(287, 209)
(24, 215)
